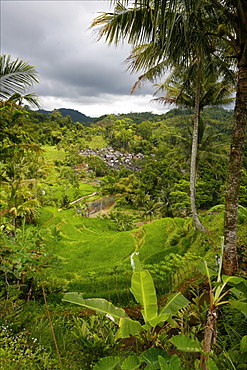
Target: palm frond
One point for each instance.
(15, 76)
(17, 100)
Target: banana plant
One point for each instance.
(142, 287)
(217, 297)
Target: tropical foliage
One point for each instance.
(185, 33)
(15, 77)
(70, 222)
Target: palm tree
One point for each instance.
(150, 207)
(210, 148)
(15, 77)
(174, 27)
(185, 91)
(141, 59)
(18, 201)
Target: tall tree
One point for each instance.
(174, 27)
(185, 90)
(194, 60)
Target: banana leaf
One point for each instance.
(128, 327)
(96, 304)
(175, 302)
(142, 287)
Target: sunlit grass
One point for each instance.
(95, 257)
(52, 153)
(87, 244)
(97, 143)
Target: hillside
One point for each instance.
(75, 115)
(217, 117)
(92, 248)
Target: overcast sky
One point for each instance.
(75, 70)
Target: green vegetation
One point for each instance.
(73, 223)
(196, 40)
(91, 249)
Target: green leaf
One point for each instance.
(128, 327)
(239, 305)
(131, 363)
(185, 343)
(211, 364)
(142, 287)
(151, 357)
(107, 363)
(205, 270)
(243, 344)
(97, 304)
(241, 287)
(172, 364)
(159, 319)
(175, 302)
(175, 363)
(163, 363)
(231, 279)
(226, 280)
(218, 292)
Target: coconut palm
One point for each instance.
(174, 27)
(150, 208)
(210, 146)
(16, 77)
(181, 89)
(141, 59)
(198, 87)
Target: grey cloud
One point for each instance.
(54, 36)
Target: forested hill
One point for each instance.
(214, 113)
(75, 115)
(221, 115)
(218, 118)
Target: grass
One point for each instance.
(97, 143)
(95, 258)
(86, 244)
(156, 234)
(52, 153)
(60, 191)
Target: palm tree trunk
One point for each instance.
(230, 262)
(193, 164)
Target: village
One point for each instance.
(115, 158)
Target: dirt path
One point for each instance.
(85, 196)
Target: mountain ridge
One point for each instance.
(75, 115)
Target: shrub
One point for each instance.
(17, 352)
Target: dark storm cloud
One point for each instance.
(54, 36)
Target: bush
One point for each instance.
(17, 351)
(122, 220)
